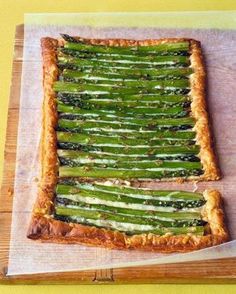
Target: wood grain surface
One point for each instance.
(217, 271)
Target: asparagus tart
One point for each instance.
(127, 110)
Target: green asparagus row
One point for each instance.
(122, 130)
(74, 187)
(134, 229)
(135, 219)
(146, 203)
(132, 124)
(149, 85)
(88, 55)
(68, 126)
(162, 205)
(98, 172)
(151, 61)
(127, 87)
(86, 155)
(144, 164)
(161, 61)
(144, 213)
(133, 151)
(128, 73)
(105, 90)
(177, 111)
(109, 141)
(129, 50)
(71, 98)
(118, 117)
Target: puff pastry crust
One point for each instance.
(44, 228)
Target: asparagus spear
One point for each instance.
(109, 141)
(132, 123)
(114, 84)
(65, 126)
(82, 54)
(144, 213)
(124, 131)
(117, 72)
(118, 103)
(116, 116)
(153, 60)
(93, 214)
(71, 98)
(94, 172)
(121, 87)
(106, 215)
(73, 154)
(123, 106)
(197, 230)
(155, 84)
(74, 187)
(177, 111)
(160, 61)
(120, 73)
(144, 164)
(114, 104)
(134, 151)
(93, 89)
(152, 49)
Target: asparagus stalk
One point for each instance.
(93, 214)
(108, 141)
(120, 102)
(81, 125)
(97, 172)
(114, 105)
(151, 164)
(74, 187)
(197, 230)
(119, 73)
(149, 73)
(123, 131)
(82, 54)
(144, 213)
(106, 215)
(155, 84)
(133, 124)
(137, 60)
(104, 63)
(73, 154)
(113, 116)
(177, 218)
(127, 84)
(134, 151)
(125, 87)
(93, 89)
(177, 111)
(69, 98)
(65, 126)
(152, 49)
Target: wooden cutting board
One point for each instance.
(212, 271)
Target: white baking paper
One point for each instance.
(29, 257)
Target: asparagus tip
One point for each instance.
(69, 38)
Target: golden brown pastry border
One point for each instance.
(43, 227)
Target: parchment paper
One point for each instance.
(27, 256)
